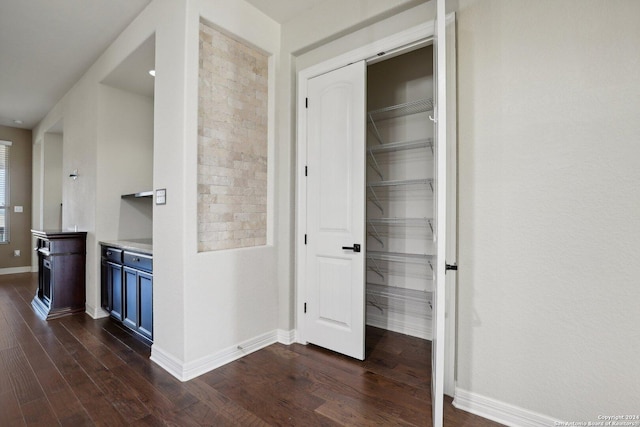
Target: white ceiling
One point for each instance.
(132, 74)
(47, 45)
(283, 10)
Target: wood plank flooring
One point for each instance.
(77, 371)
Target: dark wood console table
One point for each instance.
(61, 278)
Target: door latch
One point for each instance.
(354, 248)
(451, 267)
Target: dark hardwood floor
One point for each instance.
(77, 371)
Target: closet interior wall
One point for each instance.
(400, 203)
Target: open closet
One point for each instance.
(369, 200)
(374, 193)
(400, 193)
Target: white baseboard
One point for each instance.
(287, 337)
(186, 371)
(15, 270)
(499, 411)
(95, 312)
(167, 362)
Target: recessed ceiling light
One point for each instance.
(18, 122)
(152, 72)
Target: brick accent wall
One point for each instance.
(232, 143)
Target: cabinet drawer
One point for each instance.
(44, 244)
(139, 261)
(112, 254)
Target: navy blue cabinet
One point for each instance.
(127, 289)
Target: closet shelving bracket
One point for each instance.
(375, 268)
(375, 234)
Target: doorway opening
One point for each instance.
(369, 201)
(52, 182)
(400, 205)
(400, 210)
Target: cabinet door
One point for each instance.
(145, 306)
(104, 289)
(114, 289)
(46, 279)
(130, 318)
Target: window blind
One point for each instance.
(4, 191)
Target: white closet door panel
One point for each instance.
(335, 317)
(335, 157)
(438, 343)
(334, 304)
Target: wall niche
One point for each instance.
(232, 143)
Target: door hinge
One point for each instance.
(306, 103)
(305, 307)
(305, 239)
(306, 170)
(450, 267)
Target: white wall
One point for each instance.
(53, 178)
(80, 110)
(333, 19)
(37, 174)
(230, 295)
(204, 304)
(549, 198)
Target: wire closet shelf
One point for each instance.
(399, 110)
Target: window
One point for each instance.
(4, 191)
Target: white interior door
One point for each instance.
(439, 302)
(452, 209)
(335, 229)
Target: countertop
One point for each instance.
(57, 233)
(144, 246)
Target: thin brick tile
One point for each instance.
(232, 143)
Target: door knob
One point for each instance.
(354, 248)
